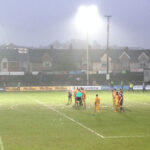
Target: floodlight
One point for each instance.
(87, 19)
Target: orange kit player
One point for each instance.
(116, 102)
(75, 92)
(114, 96)
(97, 103)
(84, 97)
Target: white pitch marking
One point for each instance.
(12, 107)
(1, 144)
(104, 137)
(105, 106)
(80, 124)
(142, 103)
(116, 137)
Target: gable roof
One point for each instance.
(76, 55)
(55, 54)
(143, 54)
(11, 55)
(124, 53)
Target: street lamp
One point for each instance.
(87, 20)
(87, 59)
(107, 73)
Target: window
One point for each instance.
(125, 65)
(142, 64)
(47, 64)
(104, 64)
(4, 65)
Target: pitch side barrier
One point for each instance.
(107, 88)
(38, 88)
(66, 88)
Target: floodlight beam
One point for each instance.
(88, 20)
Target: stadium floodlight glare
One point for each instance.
(87, 20)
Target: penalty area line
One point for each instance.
(1, 144)
(85, 127)
(82, 125)
(69, 118)
(119, 137)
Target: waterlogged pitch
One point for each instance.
(44, 121)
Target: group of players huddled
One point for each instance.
(79, 96)
(80, 99)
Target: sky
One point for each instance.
(41, 22)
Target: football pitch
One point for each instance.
(44, 121)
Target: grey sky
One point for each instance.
(40, 22)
